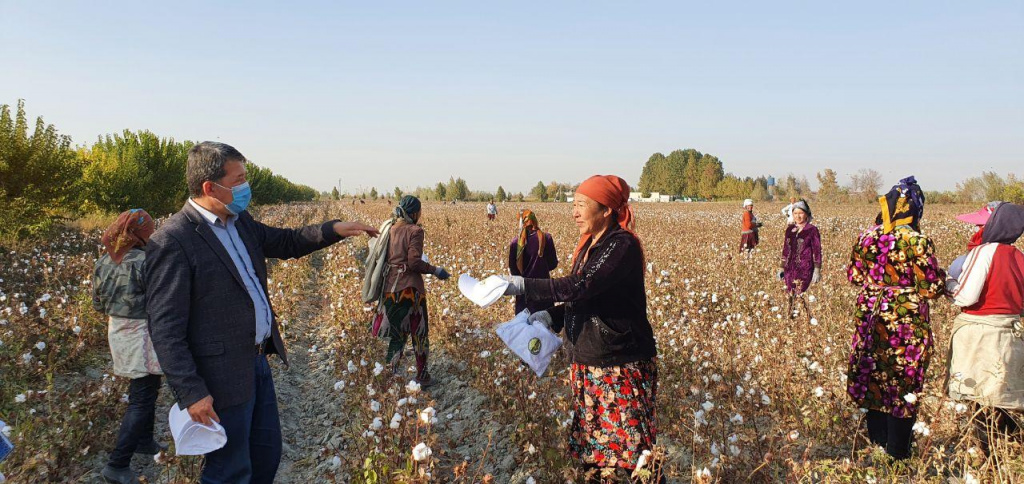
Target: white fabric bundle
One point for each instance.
(194, 438)
(533, 343)
(483, 293)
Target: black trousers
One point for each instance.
(137, 423)
(894, 434)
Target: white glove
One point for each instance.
(542, 318)
(516, 285)
(816, 277)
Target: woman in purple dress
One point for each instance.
(801, 256)
(531, 255)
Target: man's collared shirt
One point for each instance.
(232, 242)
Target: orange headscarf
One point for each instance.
(132, 229)
(612, 192)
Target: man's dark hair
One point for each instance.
(206, 162)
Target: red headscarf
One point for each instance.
(612, 192)
(132, 229)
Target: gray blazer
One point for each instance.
(201, 318)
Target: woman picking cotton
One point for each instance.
(532, 255)
(402, 311)
(119, 292)
(896, 270)
(749, 227)
(609, 340)
(801, 255)
(986, 365)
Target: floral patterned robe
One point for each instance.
(892, 344)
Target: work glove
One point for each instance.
(542, 318)
(441, 273)
(516, 285)
(816, 276)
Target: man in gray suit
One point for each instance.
(210, 317)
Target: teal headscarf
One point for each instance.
(407, 206)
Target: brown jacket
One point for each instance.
(405, 257)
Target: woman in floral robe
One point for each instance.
(895, 267)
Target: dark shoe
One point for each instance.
(151, 448)
(119, 476)
(426, 381)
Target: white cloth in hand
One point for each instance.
(194, 438)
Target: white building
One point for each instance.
(655, 197)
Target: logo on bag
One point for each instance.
(534, 346)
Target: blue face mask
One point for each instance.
(240, 196)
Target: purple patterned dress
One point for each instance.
(801, 254)
(892, 344)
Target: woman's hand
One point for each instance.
(816, 276)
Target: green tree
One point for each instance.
(335, 195)
(38, 174)
(828, 186)
(441, 192)
(373, 193)
(540, 192)
(500, 194)
(457, 189)
(398, 193)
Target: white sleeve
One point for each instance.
(974, 275)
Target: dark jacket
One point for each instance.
(534, 266)
(117, 289)
(605, 310)
(201, 317)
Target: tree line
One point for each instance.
(44, 180)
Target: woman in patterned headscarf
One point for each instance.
(801, 255)
(609, 339)
(895, 267)
(118, 292)
(532, 255)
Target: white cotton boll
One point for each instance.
(698, 418)
(396, 421)
(736, 419)
(814, 321)
(707, 406)
(338, 385)
(427, 415)
(352, 366)
(76, 329)
(970, 479)
(402, 402)
(734, 450)
(793, 435)
(485, 354)
(704, 473)
(532, 396)
(960, 408)
(377, 423)
(40, 346)
(530, 480)
(374, 406)
(377, 369)
(363, 362)
(642, 461)
(531, 449)
(812, 299)
(910, 398)
(819, 392)
(19, 398)
(765, 399)
(715, 451)
(335, 462)
(922, 429)
(421, 452)
(412, 387)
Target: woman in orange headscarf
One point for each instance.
(609, 340)
(118, 292)
(531, 254)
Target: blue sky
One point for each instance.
(411, 93)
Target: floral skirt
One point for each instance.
(614, 418)
(890, 351)
(400, 317)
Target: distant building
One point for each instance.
(655, 197)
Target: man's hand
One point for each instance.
(202, 411)
(352, 229)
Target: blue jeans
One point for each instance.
(253, 451)
(137, 423)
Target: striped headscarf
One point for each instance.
(131, 229)
(528, 223)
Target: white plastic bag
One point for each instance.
(533, 343)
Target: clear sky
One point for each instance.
(408, 93)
